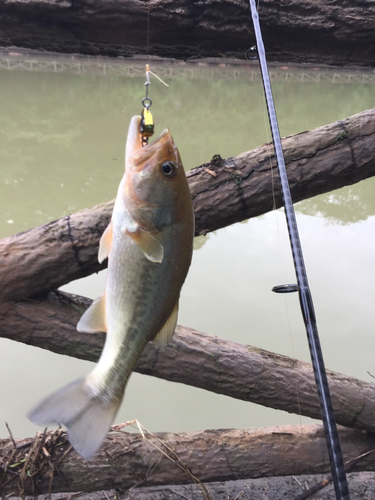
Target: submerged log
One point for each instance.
(126, 460)
(194, 358)
(327, 32)
(224, 191)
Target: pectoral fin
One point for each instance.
(105, 243)
(150, 246)
(166, 333)
(93, 319)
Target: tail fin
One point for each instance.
(85, 412)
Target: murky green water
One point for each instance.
(61, 149)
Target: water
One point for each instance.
(61, 149)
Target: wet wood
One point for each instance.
(327, 32)
(126, 459)
(44, 258)
(194, 358)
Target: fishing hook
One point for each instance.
(306, 303)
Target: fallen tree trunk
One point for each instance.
(361, 486)
(126, 459)
(224, 191)
(243, 372)
(328, 32)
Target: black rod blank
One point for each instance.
(307, 308)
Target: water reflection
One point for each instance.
(344, 206)
(60, 132)
(61, 149)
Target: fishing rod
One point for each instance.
(306, 302)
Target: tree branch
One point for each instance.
(126, 459)
(361, 485)
(42, 259)
(243, 372)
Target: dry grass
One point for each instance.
(34, 461)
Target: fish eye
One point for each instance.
(169, 169)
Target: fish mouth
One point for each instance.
(134, 139)
(140, 157)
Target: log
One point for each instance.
(361, 486)
(243, 372)
(126, 460)
(328, 32)
(33, 260)
(39, 260)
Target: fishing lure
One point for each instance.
(147, 121)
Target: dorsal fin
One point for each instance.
(166, 333)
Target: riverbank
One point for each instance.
(331, 33)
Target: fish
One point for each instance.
(149, 244)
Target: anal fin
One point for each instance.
(166, 333)
(93, 319)
(105, 243)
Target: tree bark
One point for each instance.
(325, 32)
(126, 459)
(39, 260)
(361, 486)
(243, 372)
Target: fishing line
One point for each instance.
(252, 51)
(283, 265)
(307, 308)
(283, 269)
(296, 386)
(148, 31)
(147, 123)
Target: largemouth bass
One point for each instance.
(149, 248)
